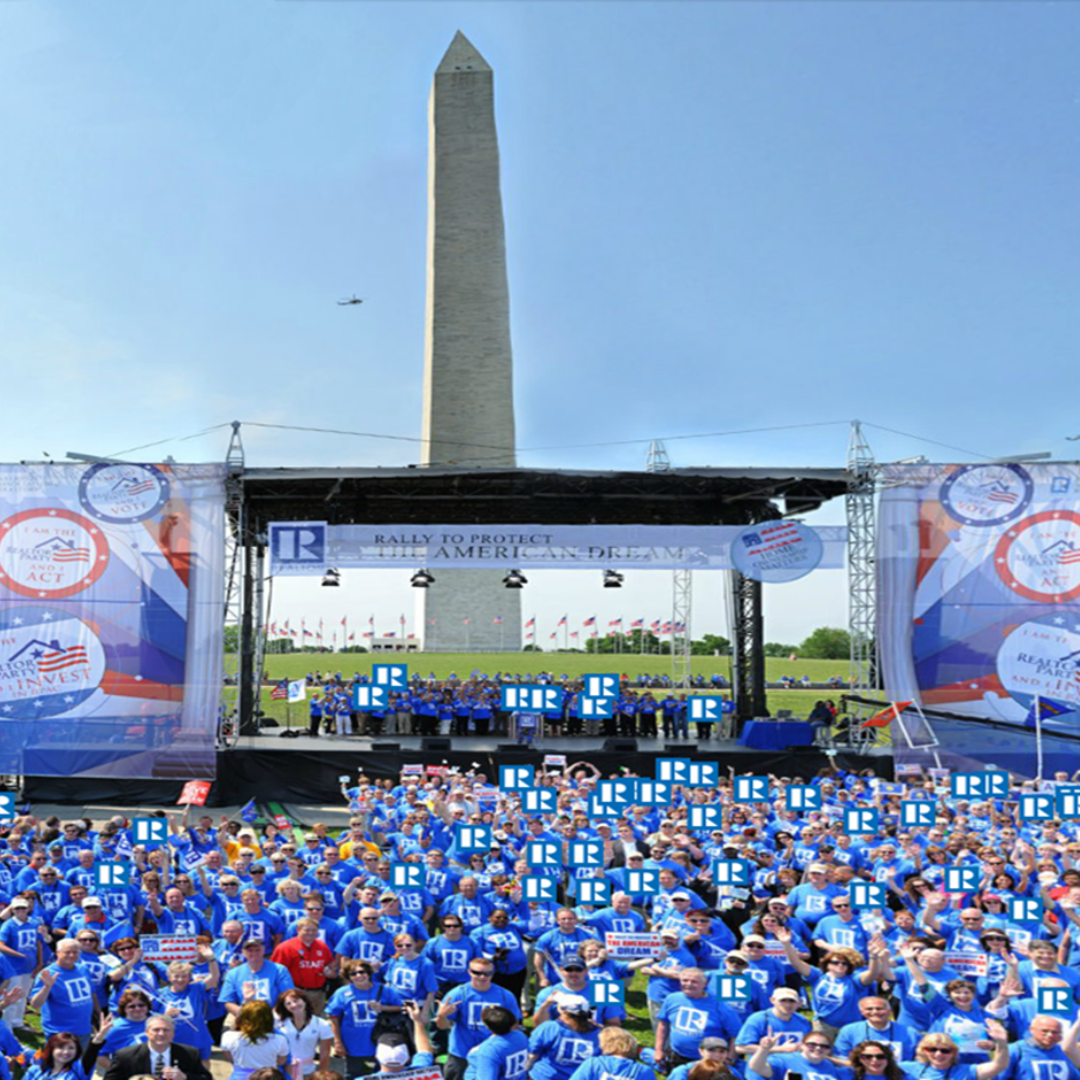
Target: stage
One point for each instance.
(308, 770)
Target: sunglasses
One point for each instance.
(819, 1045)
(874, 1057)
(940, 1050)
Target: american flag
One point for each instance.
(72, 554)
(281, 691)
(64, 658)
(497, 620)
(574, 633)
(666, 628)
(590, 621)
(561, 622)
(1001, 495)
(531, 622)
(1068, 556)
(655, 626)
(637, 623)
(136, 487)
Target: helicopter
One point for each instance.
(351, 300)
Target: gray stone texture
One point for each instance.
(468, 367)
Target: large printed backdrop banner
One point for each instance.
(111, 629)
(979, 590)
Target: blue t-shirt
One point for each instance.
(467, 1029)
(608, 1066)
(352, 1008)
(559, 1049)
(759, 1024)
(70, 1004)
(689, 1020)
(499, 1057)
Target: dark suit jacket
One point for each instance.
(135, 1060)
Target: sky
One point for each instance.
(734, 227)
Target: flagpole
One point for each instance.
(1038, 738)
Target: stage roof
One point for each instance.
(692, 496)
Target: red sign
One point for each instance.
(195, 793)
(282, 822)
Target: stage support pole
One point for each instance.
(748, 648)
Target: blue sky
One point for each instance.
(720, 216)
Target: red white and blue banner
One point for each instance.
(111, 628)
(979, 590)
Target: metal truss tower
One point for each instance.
(862, 583)
(681, 589)
(747, 647)
(229, 717)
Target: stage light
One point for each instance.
(612, 579)
(331, 579)
(421, 579)
(515, 579)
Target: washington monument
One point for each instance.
(468, 376)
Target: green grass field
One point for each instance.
(296, 665)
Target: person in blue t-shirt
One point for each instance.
(618, 1059)
(782, 1020)
(504, 1054)
(688, 1016)
(776, 1058)
(460, 1013)
(64, 993)
(558, 1046)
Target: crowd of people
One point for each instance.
(295, 950)
(472, 706)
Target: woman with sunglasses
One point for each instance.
(131, 970)
(410, 974)
(873, 1060)
(836, 989)
(778, 1056)
(352, 1012)
(132, 1011)
(937, 1057)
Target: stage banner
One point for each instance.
(979, 590)
(111, 629)
(770, 550)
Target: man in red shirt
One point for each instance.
(308, 960)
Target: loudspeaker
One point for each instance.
(681, 749)
(387, 747)
(620, 746)
(268, 721)
(514, 748)
(435, 745)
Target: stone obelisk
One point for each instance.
(468, 377)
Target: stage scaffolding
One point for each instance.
(687, 496)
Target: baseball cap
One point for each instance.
(574, 964)
(738, 954)
(21, 902)
(753, 937)
(389, 894)
(785, 993)
(91, 901)
(575, 1003)
(713, 1042)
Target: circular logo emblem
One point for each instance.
(987, 494)
(50, 663)
(777, 551)
(122, 494)
(51, 554)
(1039, 557)
(1042, 657)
